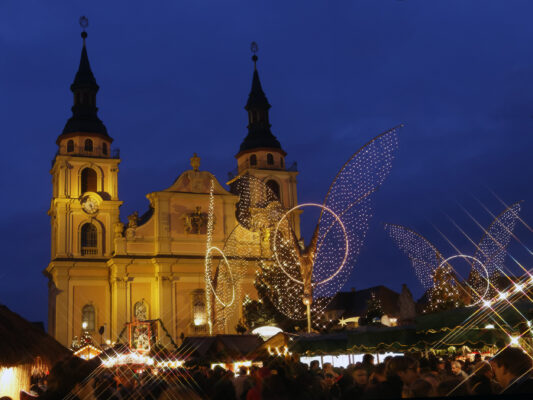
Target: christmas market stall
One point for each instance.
(25, 351)
(228, 351)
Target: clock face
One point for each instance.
(89, 205)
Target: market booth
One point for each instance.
(228, 351)
(25, 350)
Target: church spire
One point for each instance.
(259, 134)
(84, 111)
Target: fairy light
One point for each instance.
(514, 340)
(485, 264)
(209, 240)
(342, 227)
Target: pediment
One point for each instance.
(192, 181)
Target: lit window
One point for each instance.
(199, 317)
(88, 317)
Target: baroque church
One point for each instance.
(105, 274)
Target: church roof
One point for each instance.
(84, 111)
(259, 133)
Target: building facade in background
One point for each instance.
(105, 272)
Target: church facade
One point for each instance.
(107, 273)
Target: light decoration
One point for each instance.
(169, 364)
(280, 351)
(267, 331)
(489, 326)
(303, 279)
(514, 341)
(87, 352)
(128, 358)
(429, 264)
(223, 278)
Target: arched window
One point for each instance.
(281, 162)
(274, 186)
(89, 240)
(104, 149)
(70, 146)
(199, 317)
(88, 145)
(253, 159)
(270, 159)
(88, 180)
(88, 317)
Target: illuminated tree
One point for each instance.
(445, 293)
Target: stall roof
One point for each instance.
(21, 342)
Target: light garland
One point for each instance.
(430, 266)
(339, 235)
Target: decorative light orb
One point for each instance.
(519, 287)
(266, 332)
(514, 340)
(503, 295)
(84, 324)
(486, 303)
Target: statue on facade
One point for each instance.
(133, 220)
(196, 221)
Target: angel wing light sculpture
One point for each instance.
(431, 267)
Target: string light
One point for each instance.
(432, 269)
(341, 229)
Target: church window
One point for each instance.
(70, 146)
(199, 317)
(253, 159)
(88, 145)
(281, 162)
(274, 186)
(88, 180)
(270, 159)
(104, 149)
(88, 317)
(89, 240)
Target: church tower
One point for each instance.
(83, 210)
(261, 154)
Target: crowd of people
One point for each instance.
(408, 376)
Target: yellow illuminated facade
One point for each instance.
(106, 271)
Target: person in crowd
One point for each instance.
(327, 368)
(400, 371)
(512, 368)
(255, 392)
(314, 367)
(452, 387)
(420, 388)
(368, 363)
(378, 375)
(359, 378)
(457, 370)
(240, 380)
(481, 382)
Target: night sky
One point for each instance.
(174, 77)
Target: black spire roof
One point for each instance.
(84, 111)
(259, 134)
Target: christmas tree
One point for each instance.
(445, 293)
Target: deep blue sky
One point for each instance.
(175, 76)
